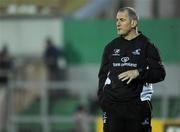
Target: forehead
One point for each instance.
(122, 14)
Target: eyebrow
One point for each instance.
(121, 18)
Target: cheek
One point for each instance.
(127, 26)
(124, 25)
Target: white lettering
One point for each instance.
(124, 64)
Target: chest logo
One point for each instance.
(125, 59)
(116, 52)
(136, 52)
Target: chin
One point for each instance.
(123, 34)
(118, 32)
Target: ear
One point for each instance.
(133, 23)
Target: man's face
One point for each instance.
(124, 23)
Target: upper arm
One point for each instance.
(104, 64)
(153, 57)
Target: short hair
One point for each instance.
(131, 12)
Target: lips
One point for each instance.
(118, 28)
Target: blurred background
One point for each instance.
(50, 53)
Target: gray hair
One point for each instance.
(131, 11)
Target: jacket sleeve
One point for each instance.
(154, 71)
(103, 71)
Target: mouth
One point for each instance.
(119, 29)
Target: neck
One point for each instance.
(131, 35)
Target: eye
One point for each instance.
(122, 19)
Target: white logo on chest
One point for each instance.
(125, 59)
(136, 52)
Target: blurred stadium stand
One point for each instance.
(32, 7)
(36, 104)
(89, 8)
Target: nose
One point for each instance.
(118, 23)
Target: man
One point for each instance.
(51, 56)
(6, 68)
(130, 64)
